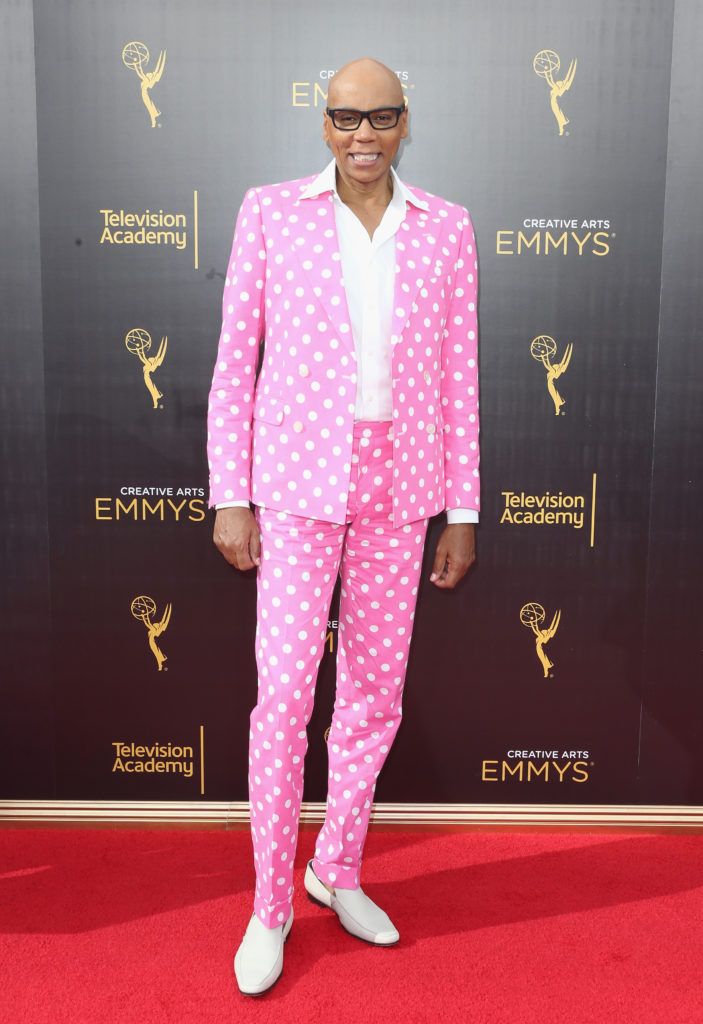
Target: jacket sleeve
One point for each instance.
(459, 378)
(231, 398)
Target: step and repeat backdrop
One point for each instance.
(566, 666)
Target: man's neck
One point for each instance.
(365, 199)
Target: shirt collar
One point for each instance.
(326, 181)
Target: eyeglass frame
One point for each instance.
(365, 115)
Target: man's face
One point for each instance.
(380, 145)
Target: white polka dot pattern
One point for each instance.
(285, 440)
(380, 569)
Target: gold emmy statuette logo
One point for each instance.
(138, 342)
(542, 348)
(144, 609)
(545, 64)
(135, 56)
(532, 615)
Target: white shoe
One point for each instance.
(259, 960)
(356, 912)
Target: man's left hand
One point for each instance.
(455, 554)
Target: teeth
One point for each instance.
(362, 158)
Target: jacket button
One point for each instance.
(303, 370)
(428, 376)
(298, 426)
(430, 428)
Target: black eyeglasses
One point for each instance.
(349, 120)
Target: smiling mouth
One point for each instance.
(364, 158)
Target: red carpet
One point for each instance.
(131, 925)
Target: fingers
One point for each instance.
(439, 566)
(255, 545)
(451, 562)
(236, 536)
(451, 574)
(243, 559)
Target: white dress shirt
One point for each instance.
(368, 269)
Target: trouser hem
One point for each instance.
(345, 877)
(272, 915)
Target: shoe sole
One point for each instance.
(273, 983)
(326, 906)
(314, 899)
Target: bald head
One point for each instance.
(364, 154)
(365, 84)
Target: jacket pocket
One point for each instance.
(268, 408)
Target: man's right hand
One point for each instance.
(236, 535)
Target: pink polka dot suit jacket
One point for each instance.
(285, 441)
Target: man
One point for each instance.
(362, 424)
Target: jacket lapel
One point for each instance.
(315, 252)
(414, 261)
(414, 252)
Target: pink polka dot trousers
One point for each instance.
(380, 572)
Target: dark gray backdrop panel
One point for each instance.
(482, 134)
(672, 730)
(27, 721)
